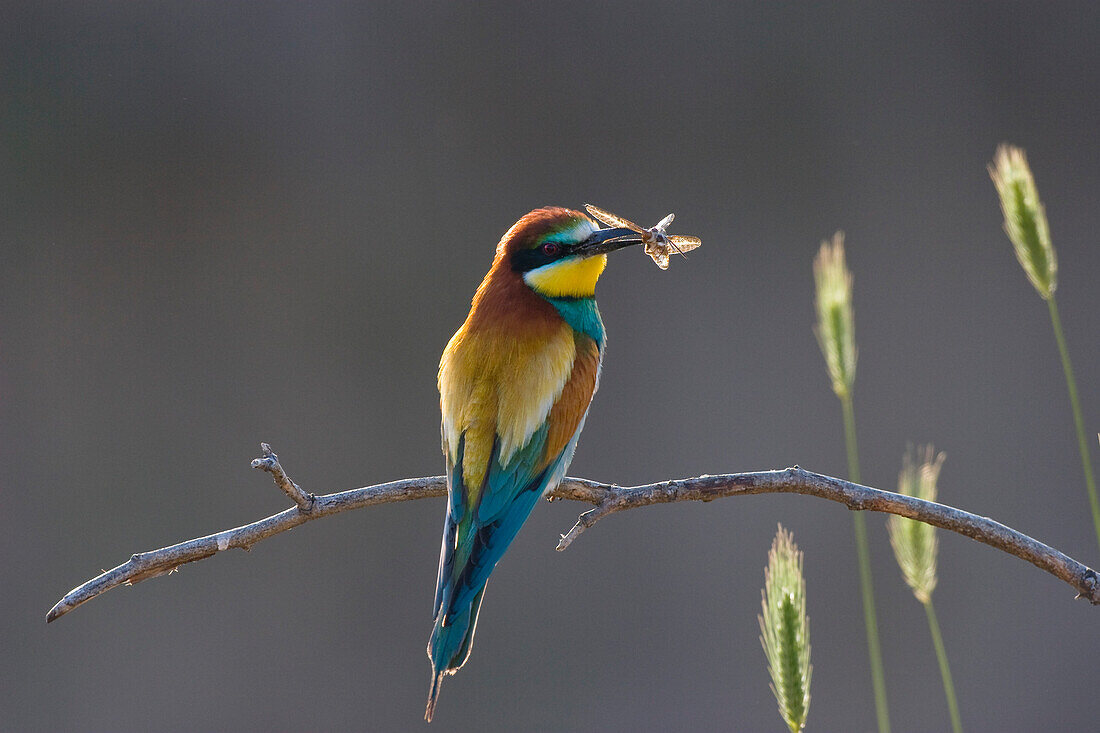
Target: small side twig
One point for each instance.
(608, 499)
(270, 463)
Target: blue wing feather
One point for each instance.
(455, 509)
(506, 500)
(507, 483)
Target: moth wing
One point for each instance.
(610, 219)
(684, 243)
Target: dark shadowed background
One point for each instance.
(224, 224)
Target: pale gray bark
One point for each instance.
(607, 499)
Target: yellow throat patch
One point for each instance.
(571, 277)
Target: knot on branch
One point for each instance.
(1090, 587)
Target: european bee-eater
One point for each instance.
(515, 383)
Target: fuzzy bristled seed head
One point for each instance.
(915, 544)
(1025, 218)
(835, 329)
(785, 630)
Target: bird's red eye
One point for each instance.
(551, 248)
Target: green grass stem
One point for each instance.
(945, 669)
(870, 617)
(1078, 420)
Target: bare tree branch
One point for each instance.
(608, 499)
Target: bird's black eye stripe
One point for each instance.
(528, 259)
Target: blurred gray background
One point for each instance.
(223, 224)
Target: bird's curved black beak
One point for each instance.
(603, 241)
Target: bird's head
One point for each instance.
(560, 253)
